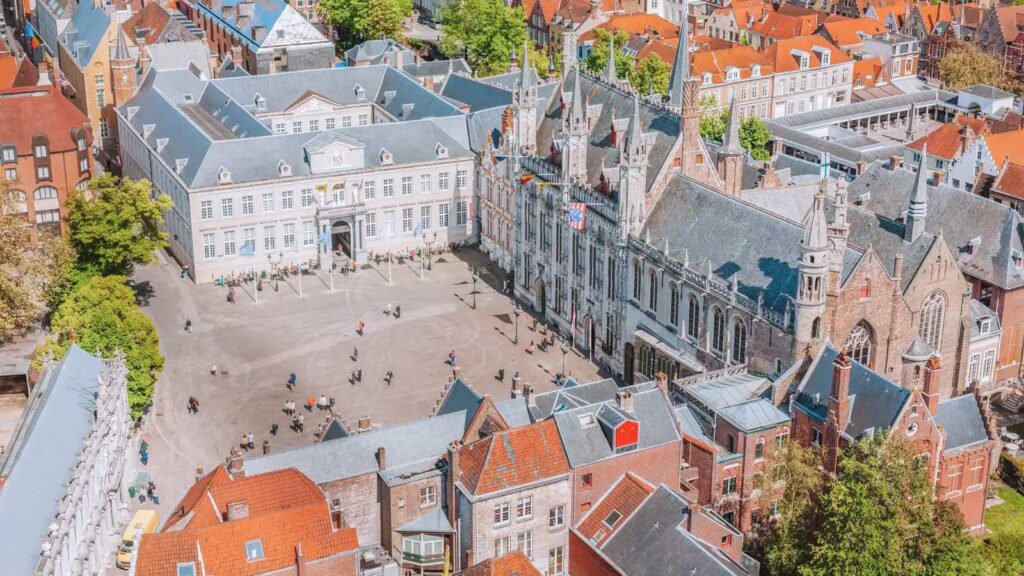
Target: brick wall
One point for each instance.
(584, 560)
(658, 465)
(360, 504)
(400, 505)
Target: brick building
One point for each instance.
(44, 160)
(513, 564)
(270, 523)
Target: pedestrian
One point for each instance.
(504, 286)
(398, 312)
(451, 358)
(184, 272)
(188, 326)
(252, 441)
(310, 401)
(387, 310)
(388, 377)
(501, 374)
(295, 423)
(353, 378)
(195, 405)
(331, 402)
(322, 402)
(273, 429)
(213, 370)
(529, 349)
(285, 409)
(359, 374)
(292, 379)
(244, 443)
(361, 327)
(302, 420)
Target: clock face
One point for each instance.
(912, 429)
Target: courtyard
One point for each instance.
(257, 345)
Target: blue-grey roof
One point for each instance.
(85, 32)
(334, 431)
(264, 19)
(41, 466)
(433, 522)
(690, 423)
(573, 395)
(174, 55)
(475, 93)
(978, 312)
(875, 403)
(728, 389)
(463, 398)
(372, 51)
(962, 422)
(754, 415)
(588, 443)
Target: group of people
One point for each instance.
(193, 405)
(248, 441)
(396, 312)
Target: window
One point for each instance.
(83, 165)
(442, 215)
(287, 200)
(247, 205)
(314, 125)
(209, 250)
(104, 128)
(988, 365)
(612, 517)
(206, 209)
(346, 121)
(424, 183)
(389, 187)
(389, 223)
(587, 480)
(524, 507)
(45, 193)
(186, 569)
(10, 154)
(931, 319)
(428, 496)
(279, 128)
(425, 217)
(759, 449)
(460, 213)
(973, 369)
(501, 513)
(501, 546)
(101, 98)
(858, 344)
(406, 219)
(717, 330)
(556, 561)
(637, 279)
(815, 437)
(329, 123)
(289, 235)
(780, 440)
(729, 485)
(371, 224)
(364, 119)
(460, 179)
(47, 216)
(739, 341)
(42, 172)
(296, 127)
(269, 238)
(524, 543)
(307, 197)
(442, 181)
(254, 550)
(556, 517)
(11, 174)
(227, 207)
(406, 185)
(229, 243)
(693, 317)
(268, 202)
(652, 290)
(673, 304)
(730, 517)
(308, 233)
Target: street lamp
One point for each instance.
(476, 276)
(426, 253)
(565, 350)
(517, 311)
(273, 265)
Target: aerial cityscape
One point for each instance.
(511, 287)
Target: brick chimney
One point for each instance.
(469, 558)
(238, 510)
(624, 398)
(382, 461)
(839, 399)
(932, 373)
(895, 161)
(300, 561)
(236, 463)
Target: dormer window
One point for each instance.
(80, 143)
(805, 62)
(824, 54)
(179, 164)
(284, 169)
(587, 420)
(755, 70)
(973, 245)
(223, 176)
(985, 325)
(360, 92)
(1018, 258)
(732, 73)
(707, 78)
(385, 157)
(147, 129)
(131, 110)
(261, 102)
(161, 143)
(440, 150)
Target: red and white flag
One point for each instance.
(577, 215)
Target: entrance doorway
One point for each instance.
(627, 363)
(542, 298)
(341, 239)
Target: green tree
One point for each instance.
(102, 317)
(712, 125)
(357, 21)
(19, 268)
(784, 540)
(116, 224)
(597, 60)
(968, 65)
(650, 72)
(540, 62)
(754, 137)
(484, 32)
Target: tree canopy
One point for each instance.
(651, 72)
(116, 224)
(597, 60)
(968, 65)
(484, 32)
(357, 21)
(102, 317)
(754, 137)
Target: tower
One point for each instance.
(917, 212)
(838, 234)
(576, 136)
(632, 175)
(812, 274)
(730, 157)
(680, 68)
(610, 74)
(123, 71)
(526, 105)
(569, 49)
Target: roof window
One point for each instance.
(187, 569)
(254, 550)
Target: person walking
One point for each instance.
(387, 310)
(295, 423)
(355, 354)
(188, 326)
(285, 408)
(361, 328)
(302, 420)
(398, 312)
(451, 358)
(388, 377)
(273, 429)
(213, 370)
(244, 443)
(292, 379)
(322, 402)
(252, 441)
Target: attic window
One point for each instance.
(1018, 258)
(707, 78)
(187, 569)
(179, 164)
(360, 92)
(732, 73)
(985, 325)
(805, 62)
(755, 69)
(223, 176)
(132, 110)
(280, 34)
(261, 102)
(972, 246)
(587, 420)
(612, 518)
(283, 169)
(254, 550)
(440, 150)
(147, 129)
(160, 143)
(186, 97)
(385, 157)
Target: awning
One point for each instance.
(683, 357)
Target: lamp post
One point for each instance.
(517, 311)
(476, 276)
(430, 244)
(565, 350)
(273, 265)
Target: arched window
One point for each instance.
(17, 196)
(858, 343)
(45, 193)
(759, 449)
(739, 341)
(717, 330)
(931, 319)
(693, 317)
(673, 304)
(816, 328)
(637, 280)
(652, 301)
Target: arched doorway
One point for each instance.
(541, 304)
(341, 238)
(589, 335)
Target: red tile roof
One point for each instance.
(643, 24)
(285, 510)
(779, 26)
(152, 19)
(52, 114)
(845, 32)
(780, 53)
(1006, 145)
(512, 458)
(514, 564)
(716, 62)
(869, 73)
(1011, 181)
(946, 141)
(625, 497)
(932, 14)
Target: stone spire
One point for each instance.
(513, 61)
(680, 66)
(569, 49)
(731, 144)
(634, 151)
(632, 175)
(576, 135)
(812, 273)
(121, 51)
(730, 157)
(526, 105)
(610, 75)
(917, 212)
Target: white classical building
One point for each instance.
(302, 166)
(64, 492)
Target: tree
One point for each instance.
(540, 61)
(785, 537)
(485, 32)
(19, 270)
(597, 60)
(754, 137)
(650, 72)
(102, 317)
(357, 21)
(968, 65)
(117, 225)
(712, 125)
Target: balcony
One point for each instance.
(422, 559)
(340, 211)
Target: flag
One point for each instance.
(577, 215)
(525, 179)
(34, 43)
(324, 238)
(30, 32)
(248, 249)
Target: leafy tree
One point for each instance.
(597, 60)
(485, 32)
(754, 137)
(785, 538)
(117, 225)
(357, 21)
(540, 62)
(102, 317)
(968, 65)
(19, 269)
(712, 125)
(649, 72)
(62, 274)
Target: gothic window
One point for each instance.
(652, 301)
(816, 328)
(858, 343)
(931, 319)
(739, 341)
(637, 280)
(673, 304)
(717, 330)
(693, 317)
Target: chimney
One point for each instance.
(932, 372)
(469, 558)
(382, 461)
(694, 509)
(238, 510)
(625, 400)
(895, 161)
(300, 562)
(964, 141)
(236, 463)
(428, 83)
(839, 399)
(363, 424)
(528, 393)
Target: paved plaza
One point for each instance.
(255, 347)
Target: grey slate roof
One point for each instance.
(373, 51)
(476, 94)
(176, 55)
(272, 15)
(650, 542)
(42, 462)
(692, 424)
(986, 91)
(875, 402)
(738, 240)
(961, 419)
(85, 32)
(437, 67)
(463, 398)
(979, 311)
(587, 444)
(573, 395)
(727, 390)
(334, 431)
(754, 415)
